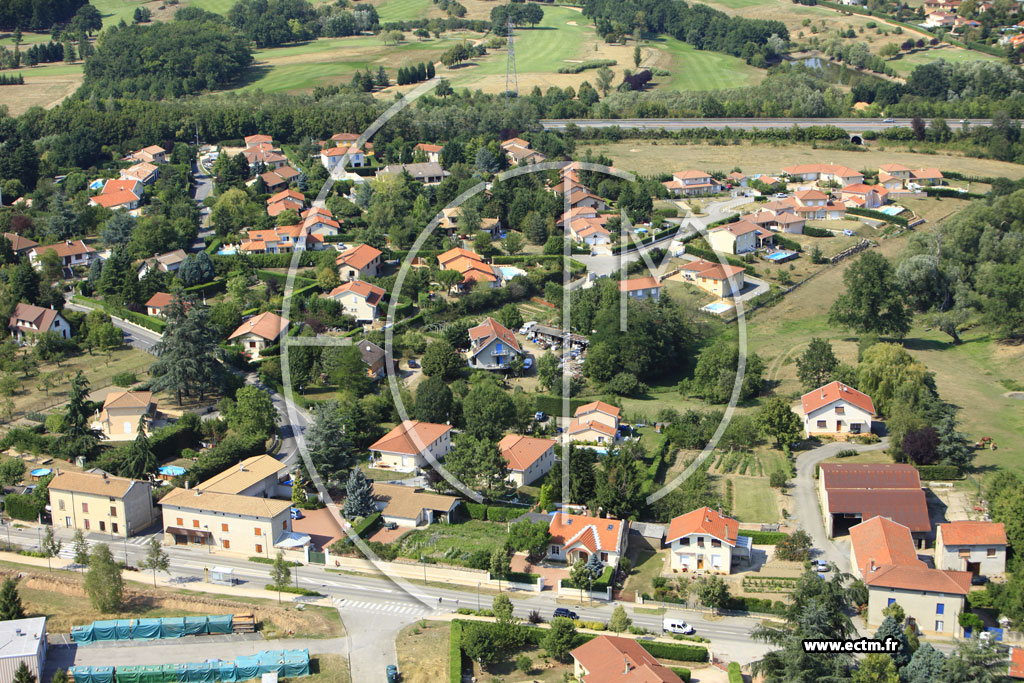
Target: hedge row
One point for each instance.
(765, 537)
(368, 525)
(213, 246)
(683, 674)
(675, 651)
(306, 259)
(787, 243)
(583, 66)
(24, 506)
(811, 231)
(208, 288)
(492, 513)
(455, 652)
(522, 577)
(951, 192)
(709, 255)
(731, 218)
(760, 605)
(878, 215)
(938, 472)
(293, 589)
(600, 584)
(735, 675)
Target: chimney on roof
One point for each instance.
(873, 567)
(626, 662)
(823, 392)
(241, 467)
(104, 476)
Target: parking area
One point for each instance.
(321, 526)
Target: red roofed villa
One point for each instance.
(405, 447)
(641, 288)
(577, 537)
(528, 457)
(836, 410)
(613, 659)
(705, 541)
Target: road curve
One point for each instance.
(852, 125)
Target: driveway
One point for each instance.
(806, 510)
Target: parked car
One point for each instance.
(413, 364)
(821, 566)
(564, 612)
(527, 363)
(979, 580)
(539, 416)
(888, 120)
(673, 625)
(391, 526)
(296, 513)
(392, 673)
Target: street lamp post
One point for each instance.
(477, 596)
(266, 542)
(423, 559)
(208, 541)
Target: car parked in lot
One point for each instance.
(296, 513)
(564, 612)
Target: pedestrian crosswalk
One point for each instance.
(67, 548)
(388, 607)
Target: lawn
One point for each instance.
(753, 500)
(693, 69)
(46, 85)
(328, 668)
(404, 10)
(648, 564)
(452, 541)
(666, 156)
(423, 651)
(114, 11)
(906, 63)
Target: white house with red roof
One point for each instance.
(722, 281)
(641, 288)
(704, 541)
(28, 321)
(692, 184)
(836, 409)
(595, 422)
(829, 173)
(359, 299)
(492, 346)
(358, 262)
(872, 196)
(259, 332)
(70, 252)
(407, 446)
(613, 659)
(974, 546)
(432, 152)
(577, 537)
(738, 237)
(528, 458)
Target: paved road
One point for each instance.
(851, 125)
(136, 336)
(806, 510)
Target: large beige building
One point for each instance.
(528, 458)
(241, 524)
(595, 422)
(359, 299)
(122, 411)
(100, 502)
(407, 445)
(256, 476)
(976, 547)
(704, 541)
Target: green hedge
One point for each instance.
(787, 243)
(24, 506)
(600, 584)
(368, 525)
(877, 215)
(684, 674)
(493, 513)
(731, 218)
(588, 64)
(522, 577)
(675, 651)
(208, 288)
(213, 246)
(455, 653)
(292, 589)
(735, 675)
(709, 255)
(765, 537)
(811, 231)
(266, 560)
(951, 192)
(938, 472)
(760, 605)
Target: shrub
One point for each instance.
(940, 472)
(268, 560)
(524, 664)
(811, 231)
(846, 453)
(583, 66)
(684, 674)
(455, 652)
(766, 537)
(675, 651)
(735, 675)
(125, 379)
(293, 589)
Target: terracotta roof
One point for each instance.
(832, 392)
(153, 149)
(736, 175)
(691, 175)
(229, 503)
(518, 142)
(18, 242)
(491, 329)
(358, 256)
(284, 194)
(704, 521)
(95, 484)
(906, 506)
(613, 659)
(829, 169)
(639, 283)
(452, 254)
(881, 541)
(606, 534)
(408, 502)
(159, 300)
(740, 227)
(599, 406)
(973, 533)
(920, 579)
(577, 426)
(810, 194)
(590, 229)
(257, 139)
(429, 148)
(345, 137)
(372, 293)
(845, 476)
(41, 317)
(926, 173)
(139, 171)
(121, 184)
(267, 325)
(67, 248)
(1016, 662)
(409, 436)
(475, 271)
(241, 476)
(893, 168)
(322, 211)
(111, 199)
(522, 451)
(128, 399)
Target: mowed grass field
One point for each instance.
(648, 158)
(906, 63)
(693, 69)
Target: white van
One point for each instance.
(673, 625)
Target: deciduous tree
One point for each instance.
(103, 581)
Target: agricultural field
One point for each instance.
(46, 85)
(665, 156)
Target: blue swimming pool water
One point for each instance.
(509, 273)
(780, 255)
(227, 251)
(172, 470)
(40, 472)
(891, 210)
(718, 307)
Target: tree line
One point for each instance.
(415, 74)
(38, 15)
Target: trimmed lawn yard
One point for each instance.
(403, 10)
(423, 651)
(328, 668)
(693, 69)
(648, 564)
(46, 85)
(545, 669)
(753, 500)
(906, 63)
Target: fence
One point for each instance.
(569, 591)
(855, 249)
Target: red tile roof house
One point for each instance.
(1016, 662)
(359, 299)
(259, 332)
(824, 173)
(29, 321)
(873, 196)
(641, 288)
(19, 244)
(836, 410)
(406, 447)
(119, 199)
(976, 547)
(528, 458)
(577, 537)
(883, 553)
(144, 172)
(492, 346)
(154, 154)
(613, 659)
(705, 541)
(850, 493)
(70, 253)
(156, 304)
(358, 262)
(433, 152)
(692, 184)
(595, 422)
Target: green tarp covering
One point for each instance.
(104, 630)
(146, 629)
(219, 624)
(123, 629)
(195, 626)
(82, 634)
(172, 627)
(286, 663)
(151, 629)
(93, 674)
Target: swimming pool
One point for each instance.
(780, 255)
(718, 307)
(42, 472)
(171, 470)
(227, 251)
(891, 210)
(97, 184)
(507, 273)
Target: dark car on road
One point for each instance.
(567, 613)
